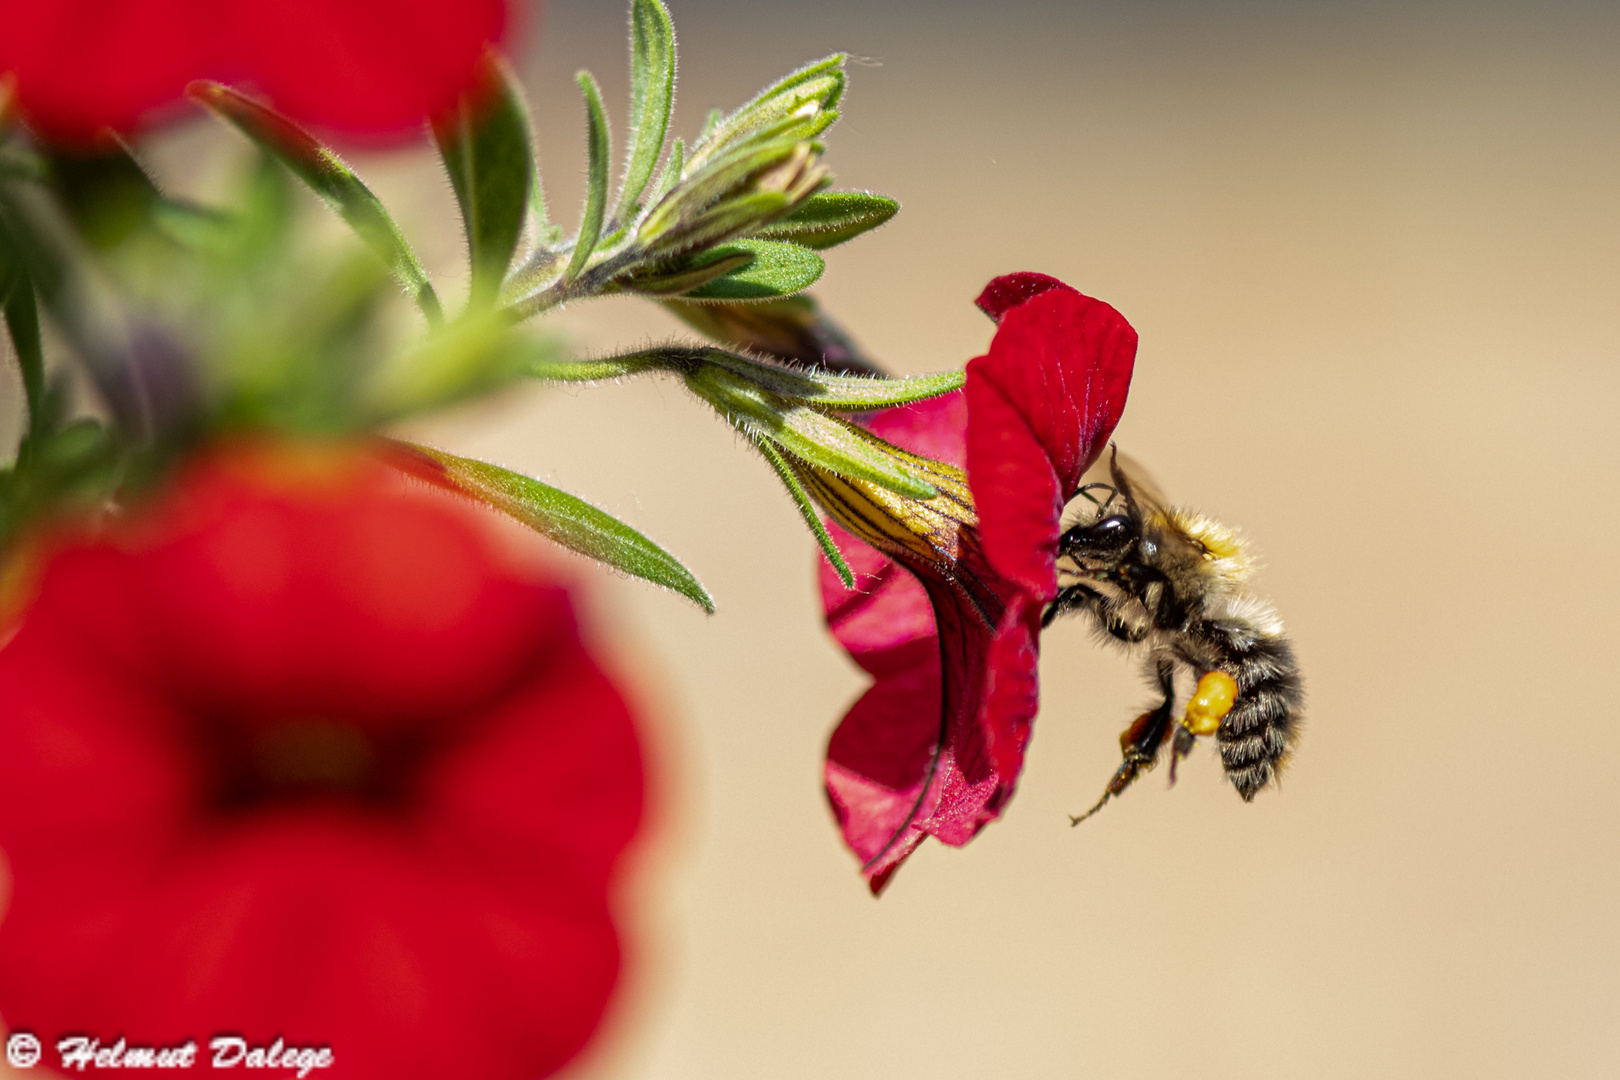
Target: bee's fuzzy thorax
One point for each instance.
(1229, 551)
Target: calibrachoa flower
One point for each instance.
(936, 745)
(362, 67)
(300, 750)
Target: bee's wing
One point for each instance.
(1148, 502)
(1136, 487)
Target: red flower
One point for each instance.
(936, 745)
(300, 752)
(362, 67)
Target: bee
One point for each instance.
(1172, 582)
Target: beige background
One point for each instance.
(1374, 258)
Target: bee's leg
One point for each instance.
(1140, 742)
(1213, 698)
(1180, 747)
(1072, 598)
(1083, 597)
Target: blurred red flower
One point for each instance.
(301, 751)
(358, 67)
(935, 746)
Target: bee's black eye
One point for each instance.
(1112, 534)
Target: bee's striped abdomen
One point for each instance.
(1257, 734)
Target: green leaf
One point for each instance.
(566, 519)
(489, 154)
(807, 510)
(600, 150)
(832, 217)
(671, 174)
(473, 355)
(652, 95)
(777, 270)
(710, 123)
(21, 165)
(38, 255)
(107, 195)
(327, 175)
(22, 320)
(69, 470)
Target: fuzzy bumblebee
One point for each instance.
(1172, 582)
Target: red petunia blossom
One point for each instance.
(302, 751)
(935, 746)
(359, 67)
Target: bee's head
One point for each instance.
(1104, 540)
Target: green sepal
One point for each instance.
(489, 153)
(839, 393)
(612, 367)
(600, 148)
(793, 330)
(733, 217)
(806, 433)
(652, 95)
(564, 518)
(319, 167)
(667, 228)
(807, 509)
(821, 83)
(826, 390)
(829, 218)
(777, 270)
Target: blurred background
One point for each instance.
(1373, 253)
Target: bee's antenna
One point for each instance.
(1085, 492)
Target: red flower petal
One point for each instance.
(1008, 291)
(1041, 406)
(928, 750)
(84, 65)
(456, 923)
(375, 67)
(360, 67)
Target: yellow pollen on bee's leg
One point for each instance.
(1210, 703)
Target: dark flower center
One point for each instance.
(314, 754)
(306, 758)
